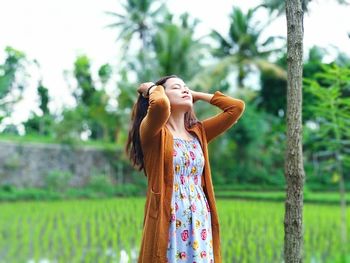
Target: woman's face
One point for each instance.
(179, 95)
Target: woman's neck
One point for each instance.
(176, 124)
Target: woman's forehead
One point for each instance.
(173, 81)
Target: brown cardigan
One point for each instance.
(157, 146)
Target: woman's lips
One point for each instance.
(186, 97)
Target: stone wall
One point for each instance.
(27, 164)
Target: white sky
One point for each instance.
(55, 32)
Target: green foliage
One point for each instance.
(177, 51)
(14, 62)
(329, 134)
(69, 129)
(242, 48)
(139, 17)
(92, 118)
(99, 182)
(42, 125)
(273, 93)
(44, 98)
(97, 188)
(10, 129)
(251, 152)
(57, 180)
(12, 80)
(26, 194)
(86, 87)
(105, 73)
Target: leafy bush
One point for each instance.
(57, 180)
(100, 183)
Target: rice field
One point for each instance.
(110, 230)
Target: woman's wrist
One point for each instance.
(149, 90)
(197, 95)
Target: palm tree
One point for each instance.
(176, 49)
(243, 48)
(138, 17)
(142, 18)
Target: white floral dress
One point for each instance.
(190, 236)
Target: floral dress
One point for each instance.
(190, 236)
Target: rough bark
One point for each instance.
(294, 169)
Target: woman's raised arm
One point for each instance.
(232, 111)
(157, 115)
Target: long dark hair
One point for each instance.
(133, 147)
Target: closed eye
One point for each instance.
(177, 86)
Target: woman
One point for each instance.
(169, 144)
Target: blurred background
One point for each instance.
(69, 71)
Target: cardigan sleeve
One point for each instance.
(158, 112)
(232, 111)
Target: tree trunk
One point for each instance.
(294, 169)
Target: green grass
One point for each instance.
(26, 138)
(309, 197)
(98, 230)
(10, 193)
(33, 138)
(128, 190)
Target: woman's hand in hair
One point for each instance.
(194, 95)
(142, 89)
